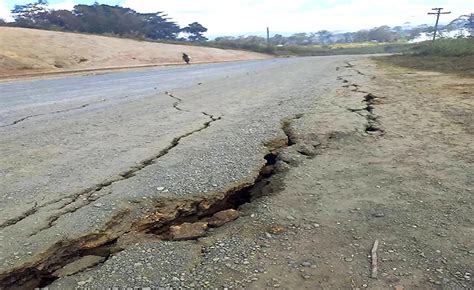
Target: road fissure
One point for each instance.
(52, 113)
(373, 124)
(168, 214)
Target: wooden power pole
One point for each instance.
(438, 14)
(268, 36)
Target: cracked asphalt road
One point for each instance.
(84, 154)
(270, 174)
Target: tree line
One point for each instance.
(105, 19)
(324, 37)
(126, 22)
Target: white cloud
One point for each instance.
(65, 5)
(6, 15)
(5, 11)
(247, 16)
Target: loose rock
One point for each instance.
(79, 265)
(188, 231)
(223, 217)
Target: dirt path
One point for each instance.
(388, 156)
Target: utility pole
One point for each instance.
(437, 13)
(268, 36)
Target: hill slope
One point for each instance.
(24, 51)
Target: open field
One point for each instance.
(25, 51)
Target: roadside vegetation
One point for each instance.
(315, 50)
(443, 55)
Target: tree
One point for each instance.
(158, 26)
(277, 39)
(299, 38)
(324, 36)
(382, 34)
(101, 19)
(63, 19)
(470, 24)
(107, 19)
(31, 15)
(348, 37)
(361, 36)
(195, 32)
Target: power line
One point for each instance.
(437, 13)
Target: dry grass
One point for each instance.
(29, 50)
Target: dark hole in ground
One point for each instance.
(369, 97)
(41, 279)
(372, 129)
(233, 200)
(45, 280)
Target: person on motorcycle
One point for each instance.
(186, 58)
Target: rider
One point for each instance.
(186, 58)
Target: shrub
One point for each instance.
(445, 47)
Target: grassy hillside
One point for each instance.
(29, 50)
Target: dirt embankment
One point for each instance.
(25, 51)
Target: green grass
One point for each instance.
(334, 50)
(445, 47)
(454, 56)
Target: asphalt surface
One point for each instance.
(83, 155)
(22, 98)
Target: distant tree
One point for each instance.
(254, 40)
(415, 32)
(277, 39)
(324, 36)
(224, 38)
(382, 34)
(107, 19)
(63, 19)
(361, 36)
(31, 15)
(470, 24)
(348, 37)
(158, 26)
(102, 19)
(299, 38)
(195, 32)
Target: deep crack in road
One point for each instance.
(77, 178)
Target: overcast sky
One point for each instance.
(233, 17)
